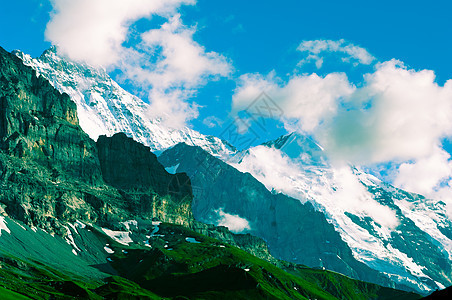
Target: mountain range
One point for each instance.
(103, 202)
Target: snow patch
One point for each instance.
(108, 250)
(130, 223)
(122, 237)
(70, 238)
(172, 169)
(3, 226)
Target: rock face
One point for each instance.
(50, 172)
(42, 148)
(127, 164)
(294, 231)
(149, 189)
(40, 124)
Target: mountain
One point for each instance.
(384, 227)
(104, 108)
(294, 231)
(402, 235)
(336, 217)
(104, 220)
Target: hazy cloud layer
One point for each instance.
(165, 61)
(340, 189)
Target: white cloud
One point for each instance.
(93, 31)
(430, 176)
(350, 52)
(398, 115)
(212, 121)
(306, 101)
(183, 61)
(424, 175)
(352, 196)
(271, 168)
(234, 223)
(165, 61)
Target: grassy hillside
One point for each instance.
(178, 262)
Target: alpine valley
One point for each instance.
(88, 211)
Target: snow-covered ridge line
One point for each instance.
(104, 108)
(390, 230)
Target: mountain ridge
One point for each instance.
(310, 170)
(81, 238)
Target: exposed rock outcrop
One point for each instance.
(50, 171)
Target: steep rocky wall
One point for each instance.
(40, 124)
(50, 171)
(127, 164)
(149, 189)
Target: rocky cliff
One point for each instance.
(51, 172)
(40, 124)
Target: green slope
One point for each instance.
(178, 262)
(210, 269)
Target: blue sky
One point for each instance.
(261, 36)
(396, 115)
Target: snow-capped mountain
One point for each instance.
(400, 234)
(104, 108)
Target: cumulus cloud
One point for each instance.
(430, 176)
(306, 101)
(349, 52)
(234, 223)
(182, 62)
(166, 61)
(398, 115)
(424, 175)
(271, 168)
(93, 31)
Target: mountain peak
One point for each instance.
(104, 108)
(300, 148)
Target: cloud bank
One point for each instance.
(166, 61)
(395, 115)
(307, 100)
